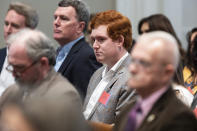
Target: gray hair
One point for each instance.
(30, 14)
(169, 43)
(80, 8)
(37, 44)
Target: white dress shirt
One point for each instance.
(6, 77)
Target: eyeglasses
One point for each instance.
(141, 63)
(19, 70)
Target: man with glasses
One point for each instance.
(19, 16)
(31, 58)
(154, 61)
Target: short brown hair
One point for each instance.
(118, 25)
(30, 14)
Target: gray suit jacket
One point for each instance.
(117, 89)
(59, 93)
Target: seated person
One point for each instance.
(107, 91)
(152, 69)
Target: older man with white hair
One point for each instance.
(154, 62)
(31, 58)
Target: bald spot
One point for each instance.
(161, 50)
(17, 53)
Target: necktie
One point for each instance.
(131, 123)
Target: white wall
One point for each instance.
(182, 13)
(46, 9)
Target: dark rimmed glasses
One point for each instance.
(19, 70)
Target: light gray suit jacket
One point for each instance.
(119, 94)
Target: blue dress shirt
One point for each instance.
(64, 52)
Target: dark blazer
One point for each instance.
(167, 114)
(79, 66)
(194, 103)
(3, 53)
(119, 94)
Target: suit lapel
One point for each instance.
(3, 53)
(112, 82)
(156, 110)
(117, 74)
(71, 55)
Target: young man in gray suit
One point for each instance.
(154, 61)
(107, 92)
(31, 59)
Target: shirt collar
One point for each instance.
(66, 48)
(116, 66)
(147, 103)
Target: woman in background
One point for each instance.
(189, 72)
(159, 22)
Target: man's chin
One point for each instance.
(131, 83)
(134, 85)
(22, 83)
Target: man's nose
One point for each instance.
(8, 28)
(95, 45)
(56, 21)
(132, 68)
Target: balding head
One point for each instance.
(37, 44)
(154, 61)
(165, 45)
(31, 56)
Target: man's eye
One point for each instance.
(16, 26)
(6, 23)
(92, 40)
(144, 63)
(55, 17)
(101, 40)
(64, 18)
(18, 67)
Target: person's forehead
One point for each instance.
(65, 10)
(13, 13)
(193, 36)
(146, 50)
(100, 30)
(144, 26)
(17, 52)
(14, 17)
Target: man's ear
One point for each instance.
(81, 27)
(120, 40)
(44, 61)
(169, 72)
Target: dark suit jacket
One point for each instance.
(3, 53)
(167, 114)
(194, 103)
(79, 66)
